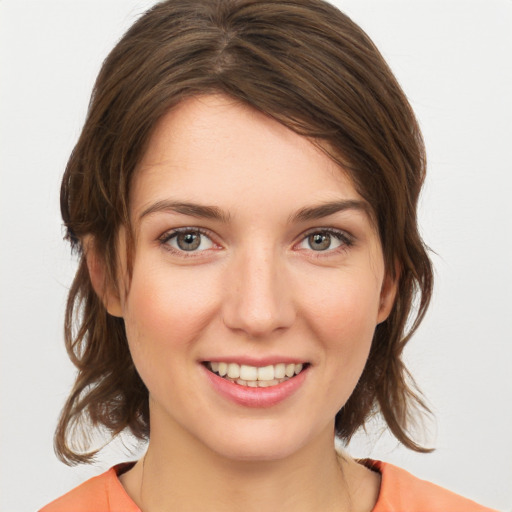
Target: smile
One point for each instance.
(255, 376)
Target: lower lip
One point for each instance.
(256, 397)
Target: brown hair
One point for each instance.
(305, 64)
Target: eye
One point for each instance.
(187, 240)
(325, 240)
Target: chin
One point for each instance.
(256, 452)
(259, 443)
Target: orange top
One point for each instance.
(399, 492)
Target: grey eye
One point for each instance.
(189, 241)
(319, 241)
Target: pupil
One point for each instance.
(320, 241)
(189, 241)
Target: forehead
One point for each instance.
(215, 149)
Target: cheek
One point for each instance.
(165, 311)
(346, 307)
(343, 317)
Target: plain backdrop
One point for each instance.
(453, 59)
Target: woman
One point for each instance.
(243, 196)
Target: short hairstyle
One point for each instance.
(304, 64)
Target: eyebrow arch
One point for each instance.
(192, 209)
(330, 208)
(215, 213)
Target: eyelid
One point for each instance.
(164, 238)
(346, 239)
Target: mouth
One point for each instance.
(255, 376)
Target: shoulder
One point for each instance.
(102, 493)
(402, 492)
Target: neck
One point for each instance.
(180, 473)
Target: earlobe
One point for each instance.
(99, 280)
(387, 296)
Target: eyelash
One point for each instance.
(169, 235)
(346, 239)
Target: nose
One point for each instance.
(258, 300)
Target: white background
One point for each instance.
(453, 58)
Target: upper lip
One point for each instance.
(256, 361)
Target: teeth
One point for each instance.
(233, 371)
(223, 369)
(248, 372)
(253, 376)
(267, 383)
(266, 373)
(279, 371)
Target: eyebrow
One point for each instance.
(329, 208)
(215, 213)
(191, 209)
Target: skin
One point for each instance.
(256, 287)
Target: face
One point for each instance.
(258, 281)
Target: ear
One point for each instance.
(388, 294)
(105, 290)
